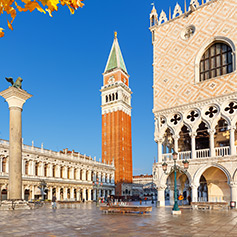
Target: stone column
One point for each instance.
(64, 193)
(15, 98)
(194, 193)
(83, 175)
(232, 141)
(193, 144)
(94, 194)
(84, 194)
(33, 192)
(233, 187)
(89, 175)
(212, 144)
(50, 193)
(159, 150)
(72, 193)
(176, 144)
(0, 164)
(89, 194)
(58, 193)
(161, 196)
(78, 194)
(72, 173)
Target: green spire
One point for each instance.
(115, 57)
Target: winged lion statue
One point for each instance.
(17, 83)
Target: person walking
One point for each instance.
(54, 205)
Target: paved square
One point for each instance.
(86, 219)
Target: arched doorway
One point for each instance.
(61, 193)
(183, 188)
(203, 190)
(214, 186)
(4, 194)
(26, 194)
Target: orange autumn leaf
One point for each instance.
(9, 25)
(1, 32)
(12, 7)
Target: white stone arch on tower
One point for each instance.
(208, 44)
(203, 168)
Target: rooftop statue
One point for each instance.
(17, 83)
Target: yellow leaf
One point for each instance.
(9, 25)
(49, 11)
(1, 32)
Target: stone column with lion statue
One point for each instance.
(15, 97)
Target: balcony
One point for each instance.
(204, 153)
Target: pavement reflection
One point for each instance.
(86, 219)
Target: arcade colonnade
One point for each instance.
(68, 175)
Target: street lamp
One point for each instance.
(175, 168)
(97, 185)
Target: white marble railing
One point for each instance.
(183, 155)
(203, 153)
(167, 157)
(222, 151)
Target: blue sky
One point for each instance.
(61, 61)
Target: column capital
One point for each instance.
(192, 134)
(211, 131)
(15, 97)
(233, 184)
(176, 137)
(233, 127)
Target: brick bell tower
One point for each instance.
(116, 117)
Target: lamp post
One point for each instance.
(175, 168)
(97, 184)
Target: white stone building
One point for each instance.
(68, 175)
(195, 99)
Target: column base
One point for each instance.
(8, 205)
(176, 212)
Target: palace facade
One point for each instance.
(69, 175)
(195, 99)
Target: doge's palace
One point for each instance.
(195, 99)
(69, 175)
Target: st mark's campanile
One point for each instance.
(116, 117)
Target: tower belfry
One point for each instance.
(116, 117)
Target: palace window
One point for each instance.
(216, 61)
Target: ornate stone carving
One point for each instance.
(211, 112)
(162, 17)
(231, 108)
(193, 115)
(176, 119)
(177, 10)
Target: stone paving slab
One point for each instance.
(87, 220)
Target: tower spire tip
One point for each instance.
(115, 34)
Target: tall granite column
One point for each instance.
(15, 98)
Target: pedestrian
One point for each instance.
(54, 205)
(140, 201)
(189, 199)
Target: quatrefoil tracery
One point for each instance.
(212, 111)
(231, 108)
(176, 119)
(193, 115)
